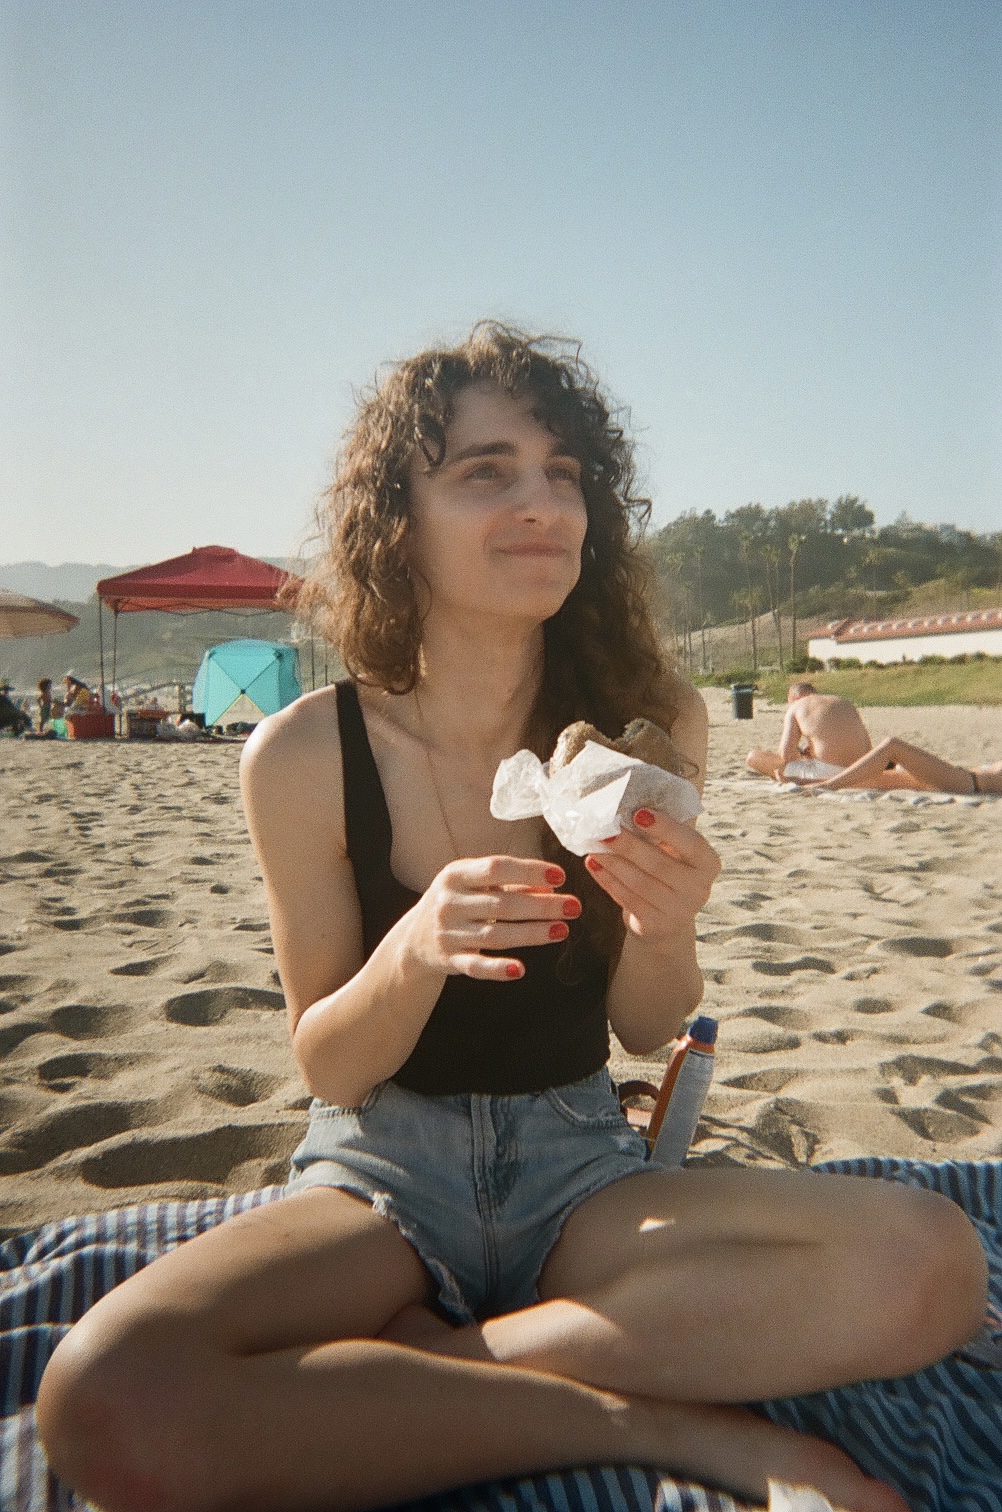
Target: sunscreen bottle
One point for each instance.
(687, 1076)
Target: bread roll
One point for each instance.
(641, 739)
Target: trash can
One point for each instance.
(742, 696)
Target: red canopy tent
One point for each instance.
(208, 577)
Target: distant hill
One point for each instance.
(71, 581)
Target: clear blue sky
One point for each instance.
(774, 224)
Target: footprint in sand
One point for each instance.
(859, 973)
(777, 1013)
(780, 934)
(48, 1137)
(141, 968)
(910, 1069)
(833, 1036)
(948, 1012)
(17, 983)
(72, 922)
(61, 1072)
(761, 1081)
(12, 1035)
(750, 1038)
(973, 1099)
(782, 1129)
(940, 1125)
(922, 946)
(872, 1005)
(212, 1004)
(144, 918)
(787, 968)
(236, 1085)
(89, 1021)
(211, 1156)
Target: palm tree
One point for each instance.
(697, 556)
(794, 543)
(772, 557)
(750, 595)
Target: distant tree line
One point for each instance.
(809, 558)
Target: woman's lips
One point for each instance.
(534, 549)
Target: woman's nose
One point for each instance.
(538, 495)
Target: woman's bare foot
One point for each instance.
(740, 1451)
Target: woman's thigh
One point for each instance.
(677, 1218)
(801, 1279)
(304, 1270)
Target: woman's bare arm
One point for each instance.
(661, 882)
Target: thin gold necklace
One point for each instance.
(434, 779)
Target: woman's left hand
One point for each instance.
(660, 878)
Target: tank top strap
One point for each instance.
(368, 831)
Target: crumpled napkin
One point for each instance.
(588, 800)
(784, 1498)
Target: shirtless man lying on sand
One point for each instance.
(823, 728)
(819, 727)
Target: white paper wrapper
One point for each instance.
(784, 1498)
(589, 799)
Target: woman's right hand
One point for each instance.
(491, 903)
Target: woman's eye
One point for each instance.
(484, 472)
(566, 472)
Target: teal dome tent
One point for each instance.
(243, 680)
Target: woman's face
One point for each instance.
(497, 528)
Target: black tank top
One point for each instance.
(544, 1030)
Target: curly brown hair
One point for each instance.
(604, 660)
(603, 657)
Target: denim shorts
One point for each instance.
(480, 1185)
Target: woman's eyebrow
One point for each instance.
(499, 449)
(482, 449)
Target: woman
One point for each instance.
(44, 700)
(896, 763)
(476, 1272)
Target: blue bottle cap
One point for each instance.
(704, 1029)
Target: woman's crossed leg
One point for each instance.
(244, 1370)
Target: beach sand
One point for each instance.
(852, 952)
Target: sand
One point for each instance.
(852, 951)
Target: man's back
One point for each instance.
(830, 727)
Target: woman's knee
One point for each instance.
(117, 1414)
(934, 1274)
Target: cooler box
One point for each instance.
(90, 725)
(141, 724)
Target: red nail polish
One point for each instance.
(554, 876)
(572, 908)
(513, 969)
(644, 818)
(559, 931)
(592, 864)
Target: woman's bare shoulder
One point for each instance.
(298, 745)
(690, 730)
